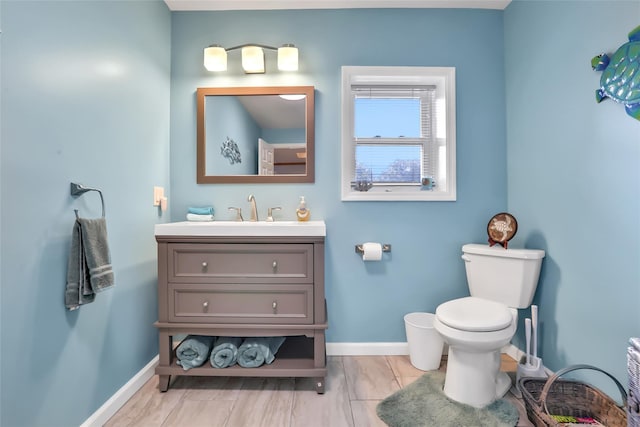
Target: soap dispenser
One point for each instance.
(302, 212)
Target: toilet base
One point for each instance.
(474, 378)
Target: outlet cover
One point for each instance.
(158, 194)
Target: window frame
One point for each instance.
(443, 78)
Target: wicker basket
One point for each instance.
(543, 397)
(633, 403)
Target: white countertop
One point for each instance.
(245, 228)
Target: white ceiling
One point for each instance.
(273, 112)
(331, 4)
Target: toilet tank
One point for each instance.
(509, 276)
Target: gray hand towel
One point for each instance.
(76, 293)
(89, 268)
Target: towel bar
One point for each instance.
(79, 189)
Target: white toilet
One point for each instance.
(477, 327)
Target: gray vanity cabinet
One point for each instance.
(244, 287)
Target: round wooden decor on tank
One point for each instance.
(501, 228)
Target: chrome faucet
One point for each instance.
(254, 209)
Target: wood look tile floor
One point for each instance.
(354, 386)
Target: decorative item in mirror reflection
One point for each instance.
(620, 78)
(230, 151)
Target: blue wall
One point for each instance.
(85, 98)
(574, 177)
(366, 302)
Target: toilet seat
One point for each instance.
(474, 314)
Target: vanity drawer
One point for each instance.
(246, 263)
(232, 303)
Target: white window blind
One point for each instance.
(394, 133)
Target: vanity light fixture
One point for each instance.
(288, 58)
(252, 60)
(215, 57)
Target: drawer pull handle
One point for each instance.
(275, 265)
(275, 307)
(205, 306)
(204, 265)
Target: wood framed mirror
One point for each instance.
(255, 134)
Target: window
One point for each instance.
(398, 133)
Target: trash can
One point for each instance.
(425, 343)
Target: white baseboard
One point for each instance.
(367, 348)
(512, 351)
(117, 401)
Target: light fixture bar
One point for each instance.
(215, 57)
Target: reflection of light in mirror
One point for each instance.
(296, 97)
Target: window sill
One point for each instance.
(398, 196)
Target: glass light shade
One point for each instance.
(215, 58)
(288, 58)
(252, 59)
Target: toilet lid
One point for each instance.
(474, 314)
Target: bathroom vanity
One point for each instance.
(243, 279)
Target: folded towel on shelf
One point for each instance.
(193, 351)
(89, 268)
(225, 352)
(196, 217)
(207, 210)
(253, 352)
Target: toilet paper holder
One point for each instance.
(385, 248)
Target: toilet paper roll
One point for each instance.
(371, 251)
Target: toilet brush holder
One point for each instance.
(534, 369)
